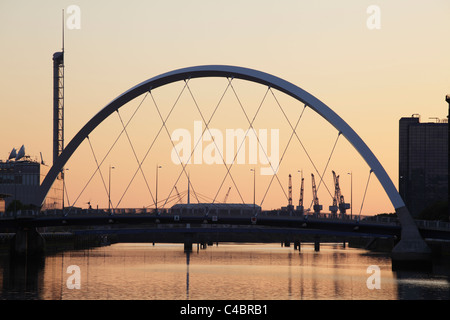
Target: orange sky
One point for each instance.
(371, 78)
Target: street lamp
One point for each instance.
(156, 202)
(300, 200)
(109, 191)
(64, 188)
(15, 188)
(447, 98)
(254, 189)
(351, 194)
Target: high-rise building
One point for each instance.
(423, 162)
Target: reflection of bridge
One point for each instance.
(411, 247)
(267, 227)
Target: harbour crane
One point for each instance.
(338, 200)
(334, 207)
(300, 201)
(317, 207)
(180, 200)
(226, 196)
(290, 207)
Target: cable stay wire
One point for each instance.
(242, 142)
(136, 157)
(282, 156)
(206, 123)
(100, 171)
(169, 199)
(364, 197)
(301, 143)
(174, 148)
(67, 194)
(154, 140)
(85, 186)
(109, 151)
(206, 198)
(323, 173)
(192, 152)
(207, 128)
(195, 147)
(173, 145)
(259, 142)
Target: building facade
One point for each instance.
(423, 163)
(20, 180)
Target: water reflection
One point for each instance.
(21, 279)
(188, 253)
(242, 272)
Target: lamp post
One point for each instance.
(64, 188)
(351, 194)
(254, 189)
(156, 202)
(109, 190)
(15, 191)
(447, 98)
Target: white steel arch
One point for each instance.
(229, 72)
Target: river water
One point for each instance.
(143, 271)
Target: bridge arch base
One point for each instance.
(411, 252)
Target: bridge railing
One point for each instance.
(433, 224)
(427, 224)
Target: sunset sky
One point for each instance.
(369, 77)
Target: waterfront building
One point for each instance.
(423, 162)
(20, 178)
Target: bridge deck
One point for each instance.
(292, 222)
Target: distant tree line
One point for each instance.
(17, 205)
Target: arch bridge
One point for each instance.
(411, 247)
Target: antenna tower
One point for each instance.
(58, 100)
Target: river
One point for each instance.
(143, 271)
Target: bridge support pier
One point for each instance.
(317, 244)
(411, 252)
(188, 241)
(188, 246)
(27, 242)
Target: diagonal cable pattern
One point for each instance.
(136, 157)
(200, 138)
(173, 146)
(282, 156)
(242, 142)
(364, 197)
(109, 151)
(207, 128)
(154, 140)
(98, 167)
(298, 138)
(259, 142)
